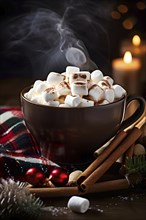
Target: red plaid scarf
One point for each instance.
(15, 139)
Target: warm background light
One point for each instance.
(127, 57)
(141, 5)
(136, 40)
(115, 15)
(122, 8)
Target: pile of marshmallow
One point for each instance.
(75, 88)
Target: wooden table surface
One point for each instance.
(116, 205)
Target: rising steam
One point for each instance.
(48, 41)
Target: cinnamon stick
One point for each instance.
(96, 174)
(70, 191)
(114, 143)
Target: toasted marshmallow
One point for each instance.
(96, 93)
(40, 87)
(72, 101)
(104, 102)
(87, 74)
(90, 84)
(75, 77)
(54, 79)
(119, 91)
(79, 88)
(109, 95)
(53, 103)
(109, 80)
(103, 84)
(71, 69)
(63, 105)
(60, 99)
(49, 94)
(86, 103)
(96, 76)
(63, 89)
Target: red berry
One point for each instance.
(35, 177)
(59, 176)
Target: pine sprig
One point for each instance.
(136, 164)
(16, 201)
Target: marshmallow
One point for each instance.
(139, 149)
(49, 94)
(119, 91)
(53, 103)
(96, 76)
(40, 87)
(75, 77)
(87, 74)
(78, 204)
(38, 100)
(109, 80)
(63, 89)
(79, 88)
(109, 95)
(30, 94)
(71, 69)
(63, 105)
(54, 79)
(103, 84)
(96, 93)
(72, 101)
(36, 83)
(86, 103)
(104, 102)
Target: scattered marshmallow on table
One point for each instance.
(78, 204)
(75, 88)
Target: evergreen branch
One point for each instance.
(136, 164)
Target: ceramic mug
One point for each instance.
(71, 135)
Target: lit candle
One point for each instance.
(126, 73)
(138, 49)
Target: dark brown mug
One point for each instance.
(71, 135)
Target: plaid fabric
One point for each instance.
(15, 139)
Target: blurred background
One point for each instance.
(40, 36)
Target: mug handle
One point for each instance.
(138, 112)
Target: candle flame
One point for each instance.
(136, 40)
(127, 57)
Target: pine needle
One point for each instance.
(136, 164)
(16, 201)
